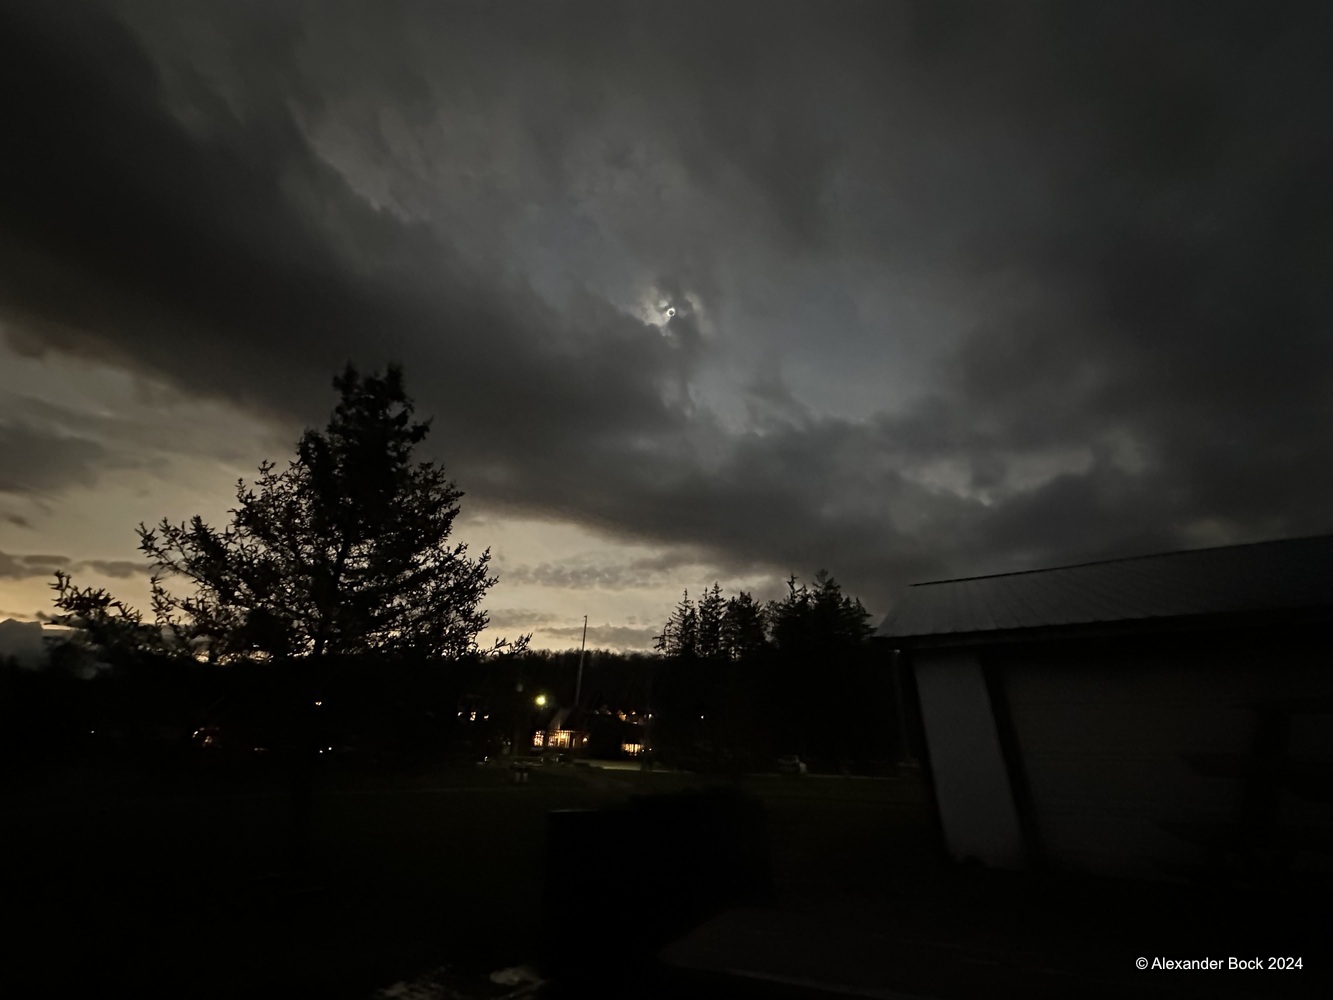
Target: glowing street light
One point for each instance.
(540, 700)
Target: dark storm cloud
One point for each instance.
(1128, 201)
(121, 569)
(34, 461)
(587, 572)
(22, 567)
(79, 438)
(198, 260)
(575, 577)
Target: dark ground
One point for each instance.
(120, 883)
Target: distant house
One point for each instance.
(1161, 716)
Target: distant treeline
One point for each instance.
(743, 681)
(734, 684)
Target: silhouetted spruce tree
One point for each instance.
(346, 551)
(743, 628)
(836, 619)
(822, 618)
(742, 679)
(789, 619)
(821, 694)
(680, 634)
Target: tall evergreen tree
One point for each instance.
(788, 619)
(345, 551)
(712, 606)
(836, 620)
(680, 635)
(743, 635)
(748, 679)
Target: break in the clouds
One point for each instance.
(899, 290)
(613, 637)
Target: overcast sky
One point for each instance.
(957, 288)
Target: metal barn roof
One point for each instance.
(1265, 576)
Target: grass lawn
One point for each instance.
(131, 885)
(156, 888)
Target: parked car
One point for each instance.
(791, 764)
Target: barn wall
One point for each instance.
(1135, 753)
(972, 787)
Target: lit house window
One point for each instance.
(539, 738)
(633, 749)
(561, 738)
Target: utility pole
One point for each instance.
(578, 683)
